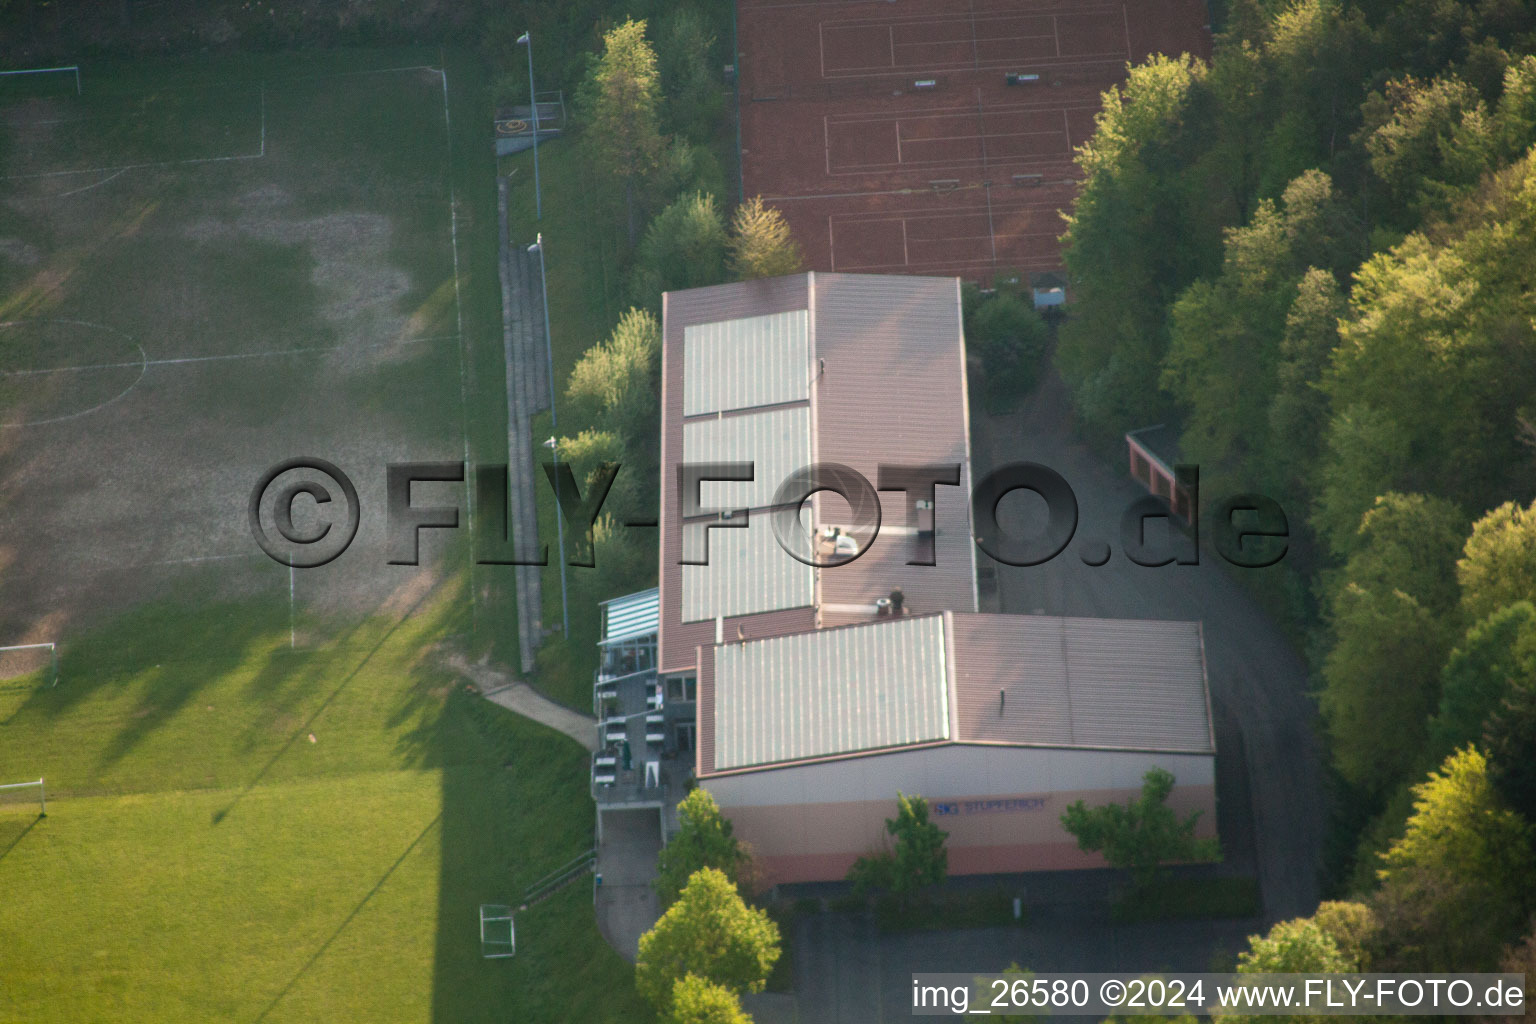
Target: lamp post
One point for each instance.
(552, 444)
(526, 39)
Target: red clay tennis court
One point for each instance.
(934, 137)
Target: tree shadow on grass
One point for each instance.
(21, 834)
(516, 806)
(166, 652)
(320, 950)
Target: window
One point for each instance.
(683, 688)
(685, 734)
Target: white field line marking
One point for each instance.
(120, 168)
(458, 312)
(132, 167)
(274, 353)
(83, 188)
(354, 74)
(198, 558)
(142, 364)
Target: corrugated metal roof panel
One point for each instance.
(739, 364)
(1117, 683)
(892, 390)
(834, 691)
(681, 310)
(632, 615)
(778, 441)
(747, 573)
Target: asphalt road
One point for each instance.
(846, 972)
(1254, 672)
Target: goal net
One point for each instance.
(51, 81)
(498, 940)
(28, 666)
(21, 805)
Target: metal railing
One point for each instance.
(560, 877)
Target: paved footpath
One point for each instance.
(517, 696)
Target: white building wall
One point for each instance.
(1001, 805)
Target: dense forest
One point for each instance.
(1317, 255)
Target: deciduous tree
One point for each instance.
(711, 933)
(704, 839)
(1499, 566)
(1140, 231)
(697, 1000)
(616, 381)
(684, 247)
(1511, 739)
(1460, 882)
(917, 859)
(1494, 654)
(1141, 835)
(1300, 946)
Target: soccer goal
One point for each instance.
(25, 659)
(64, 71)
(21, 797)
(498, 936)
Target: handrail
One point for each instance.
(580, 861)
(603, 680)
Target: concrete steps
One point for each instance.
(522, 321)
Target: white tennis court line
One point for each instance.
(975, 46)
(1042, 106)
(1072, 63)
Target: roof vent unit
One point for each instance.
(1016, 78)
